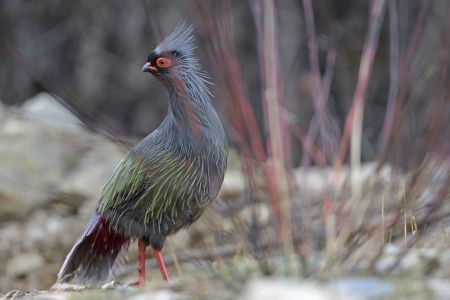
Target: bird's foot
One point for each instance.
(141, 265)
(138, 283)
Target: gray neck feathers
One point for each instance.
(191, 120)
(191, 117)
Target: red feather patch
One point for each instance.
(104, 239)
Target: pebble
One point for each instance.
(23, 264)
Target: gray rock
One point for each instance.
(362, 287)
(316, 180)
(388, 259)
(45, 109)
(233, 184)
(284, 289)
(440, 287)
(67, 287)
(51, 168)
(43, 162)
(23, 264)
(157, 295)
(261, 210)
(95, 166)
(32, 162)
(416, 258)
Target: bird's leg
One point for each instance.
(141, 264)
(161, 265)
(142, 245)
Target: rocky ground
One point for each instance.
(52, 170)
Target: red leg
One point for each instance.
(161, 265)
(141, 264)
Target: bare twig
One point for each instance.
(365, 68)
(275, 121)
(395, 117)
(354, 119)
(394, 73)
(322, 120)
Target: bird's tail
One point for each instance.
(97, 254)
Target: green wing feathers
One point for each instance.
(127, 180)
(161, 185)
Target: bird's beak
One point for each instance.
(148, 68)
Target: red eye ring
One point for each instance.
(163, 62)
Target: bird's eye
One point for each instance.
(163, 62)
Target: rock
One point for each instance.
(92, 170)
(2, 111)
(43, 162)
(53, 296)
(362, 287)
(158, 295)
(12, 294)
(313, 180)
(67, 287)
(444, 257)
(51, 168)
(47, 234)
(388, 259)
(317, 180)
(27, 152)
(391, 249)
(424, 260)
(261, 211)
(23, 264)
(284, 289)
(45, 109)
(440, 287)
(233, 184)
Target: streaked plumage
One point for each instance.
(164, 183)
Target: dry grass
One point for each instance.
(344, 229)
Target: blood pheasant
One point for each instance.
(165, 182)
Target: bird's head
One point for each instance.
(174, 55)
(161, 63)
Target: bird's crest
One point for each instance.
(180, 39)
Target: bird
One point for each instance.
(166, 181)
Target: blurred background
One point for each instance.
(338, 113)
